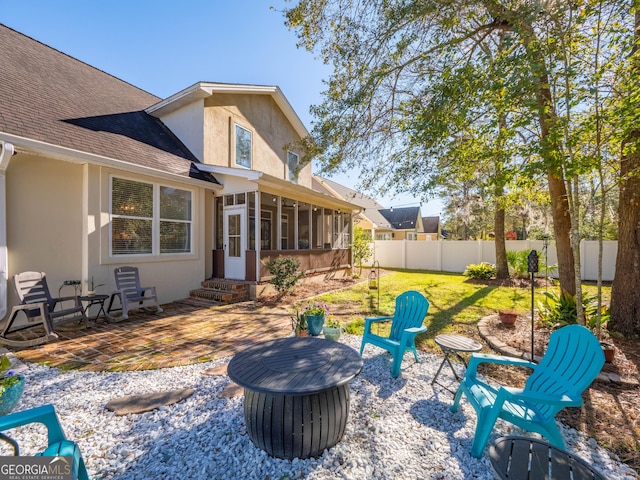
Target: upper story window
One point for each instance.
(243, 146)
(412, 236)
(149, 219)
(293, 162)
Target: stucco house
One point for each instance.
(96, 173)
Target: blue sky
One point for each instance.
(164, 46)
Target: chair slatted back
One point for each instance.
(571, 363)
(411, 308)
(128, 279)
(31, 287)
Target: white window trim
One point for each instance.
(155, 221)
(234, 146)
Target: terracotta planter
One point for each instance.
(609, 352)
(301, 333)
(508, 318)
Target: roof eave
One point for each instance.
(65, 154)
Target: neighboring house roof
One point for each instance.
(404, 218)
(371, 208)
(430, 224)
(52, 98)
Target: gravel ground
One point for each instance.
(397, 428)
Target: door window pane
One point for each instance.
(234, 235)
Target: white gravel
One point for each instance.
(397, 428)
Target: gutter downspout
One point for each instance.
(6, 152)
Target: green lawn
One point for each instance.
(457, 304)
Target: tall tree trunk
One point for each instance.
(559, 204)
(502, 267)
(625, 301)
(552, 156)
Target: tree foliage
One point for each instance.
(490, 93)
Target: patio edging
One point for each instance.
(504, 349)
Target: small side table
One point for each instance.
(454, 345)
(95, 300)
(515, 458)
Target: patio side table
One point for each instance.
(454, 345)
(296, 393)
(95, 300)
(524, 458)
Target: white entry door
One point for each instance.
(234, 243)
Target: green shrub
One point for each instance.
(285, 273)
(519, 264)
(480, 271)
(559, 310)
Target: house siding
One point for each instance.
(44, 220)
(272, 132)
(187, 123)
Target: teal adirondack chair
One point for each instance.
(58, 445)
(572, 361)
(406, 323)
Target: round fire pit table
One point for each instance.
(296, 393)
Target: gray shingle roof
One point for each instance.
(402, 218)
(48, 96)
(370, 206)
(430, 224)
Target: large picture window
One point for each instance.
(149, 219)
(243, 147)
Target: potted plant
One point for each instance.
(508, 317)
(332, 329)
(315, 314)
(11, 386)
(299, 324)
(92, 288)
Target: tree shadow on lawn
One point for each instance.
(444, 316)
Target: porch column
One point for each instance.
(6, 152)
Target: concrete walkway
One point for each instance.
(184, 333)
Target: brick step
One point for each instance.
(199, 302)
(223, 296)
(226, 285)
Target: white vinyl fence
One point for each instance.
(454, 255)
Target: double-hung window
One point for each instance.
(243, 147)
(293, 162)
(150, 219)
